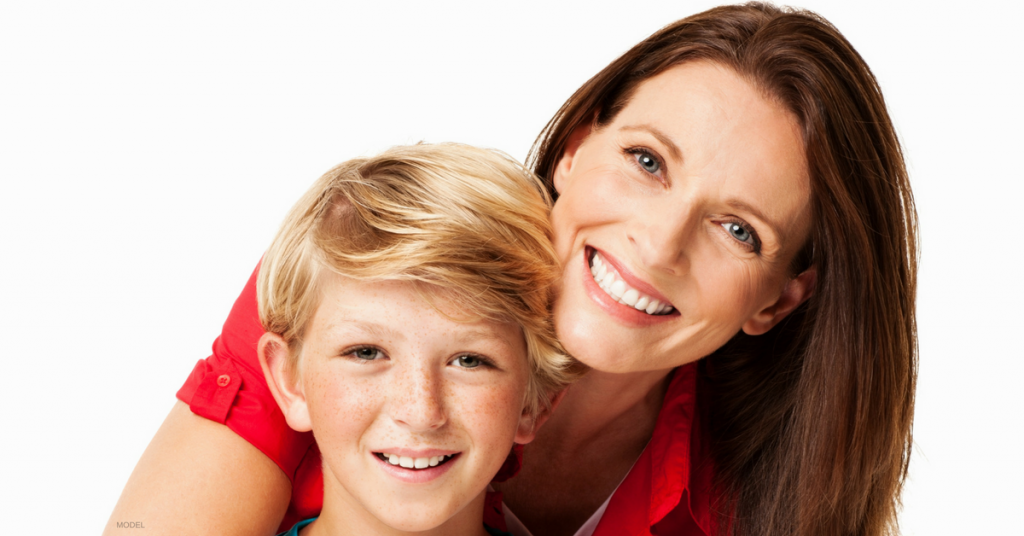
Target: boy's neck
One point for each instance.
(342, 515)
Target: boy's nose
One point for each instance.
(417, 401)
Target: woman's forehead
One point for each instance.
(714, 125)
(709, 104)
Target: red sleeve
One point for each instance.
(229, 387)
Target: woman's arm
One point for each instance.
(221, 462)
(197, 476)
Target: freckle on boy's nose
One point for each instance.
(418, 403)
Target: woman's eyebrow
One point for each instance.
(746, 207)
(673, 149)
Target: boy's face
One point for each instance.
(387, 382)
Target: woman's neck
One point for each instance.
(585, 450)
(607, 405)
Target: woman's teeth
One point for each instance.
(414, 463)
(613, 285)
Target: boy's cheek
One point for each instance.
(493, 414)
(332, 397)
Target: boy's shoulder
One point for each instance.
(294, 531)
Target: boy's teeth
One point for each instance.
(414, 463)
(610, 282)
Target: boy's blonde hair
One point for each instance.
(469, 222)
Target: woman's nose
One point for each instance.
(661, 234)
(416, 400)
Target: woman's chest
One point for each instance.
(556, 492)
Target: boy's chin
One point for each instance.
(417, 516)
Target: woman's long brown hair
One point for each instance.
(810, 424)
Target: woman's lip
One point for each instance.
(415, 476)
(623, 313)
(628, 276)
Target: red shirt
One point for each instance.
(666, 492)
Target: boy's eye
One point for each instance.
(468, 361)
(367, 353)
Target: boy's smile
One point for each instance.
(416, 467)
(414, 408)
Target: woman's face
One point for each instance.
(678, 221)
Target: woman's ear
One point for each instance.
(796, 291)
(568, 155)
(530, 423)
(282, 377)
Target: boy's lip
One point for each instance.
(416, 453)
(417, 476)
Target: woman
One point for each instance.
(730, 189)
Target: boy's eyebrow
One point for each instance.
(381, 331)
(384, 331)
(476, 335)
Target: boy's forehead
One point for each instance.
(401, 310)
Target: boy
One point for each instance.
(406, 303)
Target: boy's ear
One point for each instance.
(569, 155)
(529, 424)
(796, 291)
(283, 380)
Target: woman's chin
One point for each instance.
(598, 351)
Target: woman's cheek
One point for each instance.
(590, 200)
(732, 289)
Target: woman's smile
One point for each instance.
(621, 294)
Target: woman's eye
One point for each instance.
(468, 361)
(367, 353)
(740, 233)
(647, 162)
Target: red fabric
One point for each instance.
(494, 514)
(666, 492)
(669, 488)
(246, 406)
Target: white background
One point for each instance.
(149, 151)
